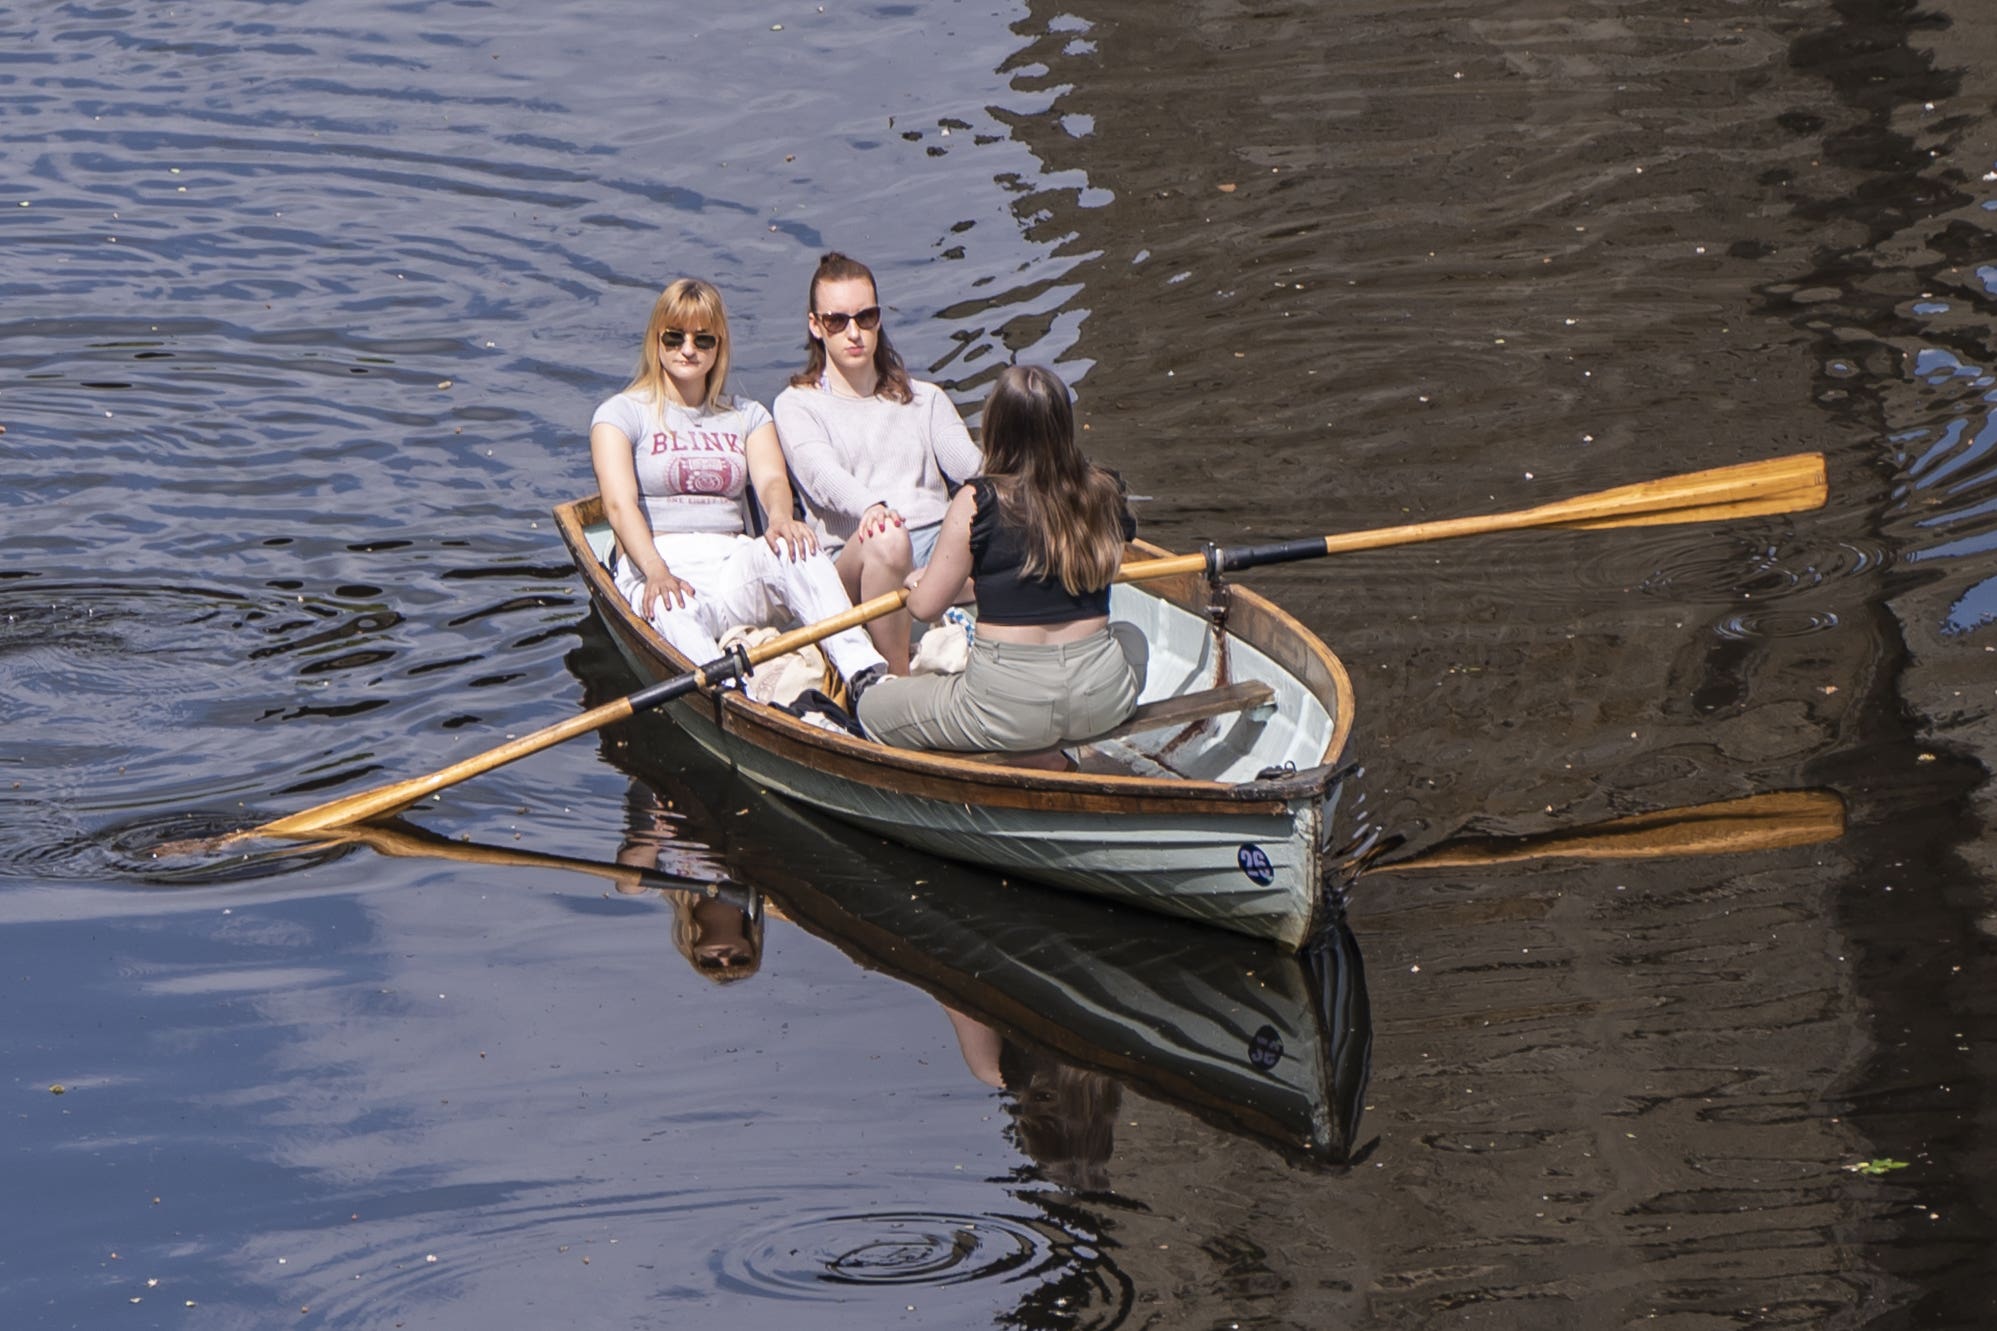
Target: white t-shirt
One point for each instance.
(693, 465)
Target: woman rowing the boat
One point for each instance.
(673, 455)
(1040, 533)
(874, 451)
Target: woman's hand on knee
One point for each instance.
(890, 552)
(878, 520)
(676, 593)
(791, 539)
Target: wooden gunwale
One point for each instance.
(947, 778)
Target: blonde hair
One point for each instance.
(688, 935)
(1070, 511)
(893, 382)
(687, 304)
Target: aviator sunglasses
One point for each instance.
(724, 961)
(834, 324)
(672, 337)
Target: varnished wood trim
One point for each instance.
(955, 780)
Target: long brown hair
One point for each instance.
(1063, 1116)
(686, 304)
(893, 383)
(1070, 509)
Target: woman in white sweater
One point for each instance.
(673, 456)
(874, 452)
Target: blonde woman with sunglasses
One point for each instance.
(674, 457)
(874, 452)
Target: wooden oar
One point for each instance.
(1729, 827)
(1780, 486)
(1749, 489)
(390, 799)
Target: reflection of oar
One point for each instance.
(1730, 827)
(408, 842)
(1780, 486)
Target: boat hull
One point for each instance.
(1224, 838)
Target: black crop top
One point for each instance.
(997, 552)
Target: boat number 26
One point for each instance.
(1255, 863)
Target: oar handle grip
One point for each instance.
(1223, 559)
(1226, 559)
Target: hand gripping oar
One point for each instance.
(1779, 485)
(389, 799)
(1783, 485)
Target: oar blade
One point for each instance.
(1749, 489)
(1793, 484)
(1800, 501)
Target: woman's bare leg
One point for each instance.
(875, 567)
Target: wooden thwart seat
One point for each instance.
(1187, 708)
(1166, 713)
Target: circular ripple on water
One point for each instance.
(121, 695)
(86, 638)
(830, 1257)
(1746, 624)
(1729, 569)
(196, 849)
(177, 850)
(888, 1249)
(1760, 578)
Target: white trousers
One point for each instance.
(740, 580)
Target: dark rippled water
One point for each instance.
(306, 308)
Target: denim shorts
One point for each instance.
(921, 540)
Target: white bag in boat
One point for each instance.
(781, 679)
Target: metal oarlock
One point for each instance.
(1216, 585)
(738, 666)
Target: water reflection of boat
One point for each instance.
(1251, 1038)
(1254, 1040)
(1216, 810)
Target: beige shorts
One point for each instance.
(1014, 697)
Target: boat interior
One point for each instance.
(1214, 707)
